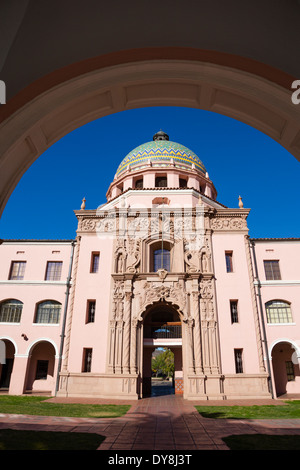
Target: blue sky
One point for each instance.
(240, 160)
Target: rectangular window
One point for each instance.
(17, 270)
(182, 183)
(272, 270)
(91, 308)
(234, 311)
(290, 371)
(161, 260)
(139, 184)
(41, 370)
(87, 360)
(95, 258)
(238, 357)
(161, 182)
(53, 272)
(229, 263)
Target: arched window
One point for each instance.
(278, 311)
(48, 312)
(10, 311)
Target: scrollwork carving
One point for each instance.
(148, 293)
(228, 223)
(117, 300)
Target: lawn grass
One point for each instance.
(262, 442)
(291, 410)
(34, 405)
(48, 440)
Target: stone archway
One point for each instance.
(41, 368)
(286, 372)
(7, 367)
(54, 106)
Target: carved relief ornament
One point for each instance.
(228, 223)
(149, 294)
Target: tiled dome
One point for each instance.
(161, 152)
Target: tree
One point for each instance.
(163, 363)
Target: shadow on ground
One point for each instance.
(262, 442)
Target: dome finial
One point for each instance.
(161, 135)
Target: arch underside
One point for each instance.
(29, 127)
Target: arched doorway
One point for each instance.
(6, 369)
(285, 368)
(41, 368)
(162, 337)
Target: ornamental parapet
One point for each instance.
(229, 220)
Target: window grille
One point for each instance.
(48, 312)
(290, 371)
(10, 311)
(91, 308)
(234, 311)
(278, 311)
(238, 356)
(87, 359)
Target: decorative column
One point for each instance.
(111, 358)
(204, 338)
(212, 338)
(119, 347)
(116, 329)
(191, 360)
(197, 333)
(133, 352)
(209, 328)
(127, 331)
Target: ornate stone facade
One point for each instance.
(141, 222)
(190, 288)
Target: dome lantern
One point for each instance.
(160, 136)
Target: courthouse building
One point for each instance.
(161, 264)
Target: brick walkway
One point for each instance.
(157, 423)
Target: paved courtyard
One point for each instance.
(161, 422)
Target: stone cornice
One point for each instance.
(229, 220)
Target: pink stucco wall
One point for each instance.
(28, 335)
(91, 286)
(281, 336)
(234, 286)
